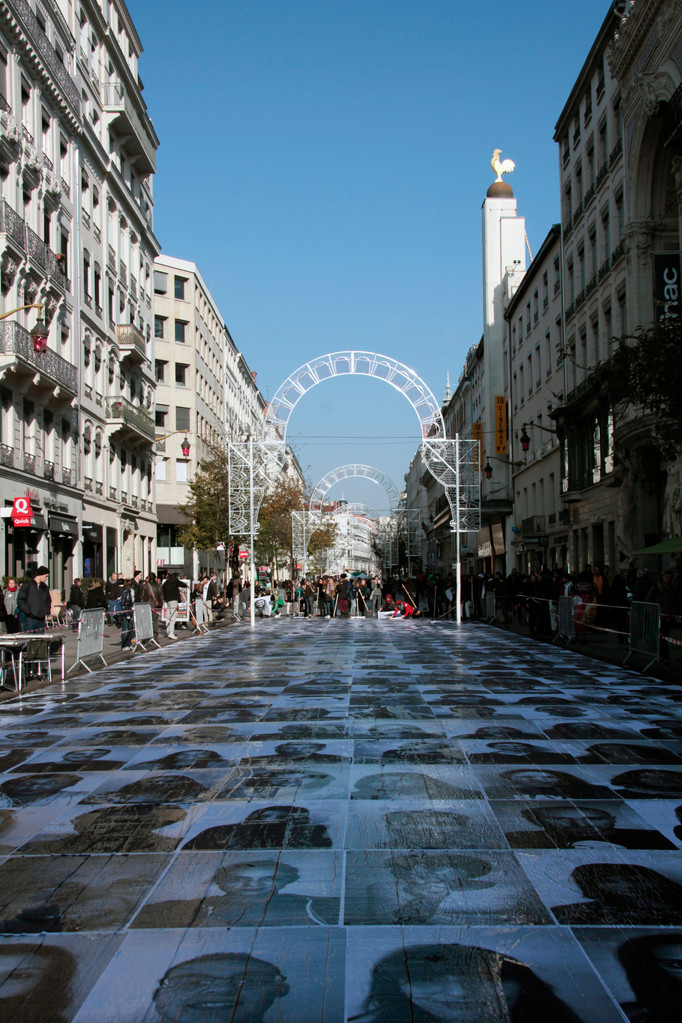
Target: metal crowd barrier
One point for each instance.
(490, 615)
(144, 625)
(645, 632)
(90, 637)
(566, 622)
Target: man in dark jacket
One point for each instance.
(34, 601)
(171, 595)
(76, 603)
(138, 579)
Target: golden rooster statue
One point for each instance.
(501, 166)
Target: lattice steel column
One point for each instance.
(299, 539)
(253, 468)
(456, 466)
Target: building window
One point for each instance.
(179, 287)
(181, 418)
(180, 329)
(160, 371)
(160, 418)
(161, 474)
(160, 326)
(181, 374)
(160, 283)
(180, 470)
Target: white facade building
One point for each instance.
(77, 156)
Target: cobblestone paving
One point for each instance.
(367, 821)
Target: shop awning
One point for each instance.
(671, 546)
(64, 525)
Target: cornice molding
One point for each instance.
(641, 19)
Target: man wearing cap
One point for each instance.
(34, 601)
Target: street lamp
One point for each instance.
(184, 445)
(525, 439)
(40, 332)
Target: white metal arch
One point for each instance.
(344, 472)
(334, 364)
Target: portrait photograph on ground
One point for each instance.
(469, 974)
(438, 888)
(45, 978)
(642, 967)
(208, 889)
(430, 824)
(274, 975)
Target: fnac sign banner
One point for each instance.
(667, 285)
(22, 513)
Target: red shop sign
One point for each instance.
(22, 512)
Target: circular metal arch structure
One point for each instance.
(334, 364)
(344, 472)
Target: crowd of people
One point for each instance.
(603, 597)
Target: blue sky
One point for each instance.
(324, 164)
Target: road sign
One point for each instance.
(243, 555)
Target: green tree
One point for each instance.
(273, 541)
(648, 373)
(321, 541)
(207, 508)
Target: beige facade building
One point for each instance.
(206, 395)
(535, 374)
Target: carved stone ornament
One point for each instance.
(638, 239)
(676, 169)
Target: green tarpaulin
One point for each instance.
(672, 546)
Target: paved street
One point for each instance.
(343, 820)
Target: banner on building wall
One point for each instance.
(477, 434)
(500, 424)
(667, 285)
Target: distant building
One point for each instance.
(205, 395)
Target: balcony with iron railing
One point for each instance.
(128, 418)
(47, 369)
(131, 343)
(7, 456)
(141, 139)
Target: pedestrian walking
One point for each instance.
(171, 596)
(75, 604)
(34, 601)
(127, 617)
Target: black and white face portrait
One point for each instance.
(467, 983)
(438, 888)
(540, 783)
(260, 783)
(236, 890)
(425, 825)
(643, 968)
(72, 893)
(269, 827)
(38, 788)
(35, 981)
(191, 759)
(648, 783)
(243, 986)
(567, 825)
(398, 785)
(153, 788)
(135, 827)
